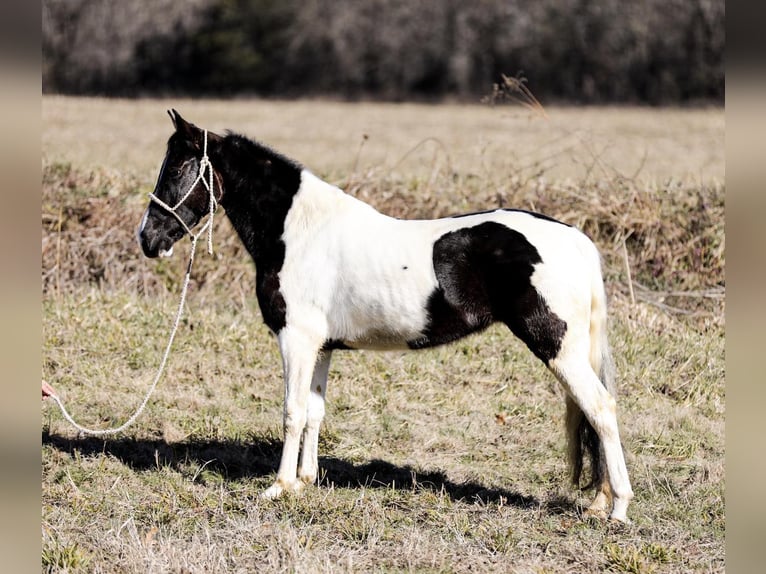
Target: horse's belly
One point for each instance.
(377, 343)
(381, 331)
(383, 315)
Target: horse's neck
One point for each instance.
(317, 202)
(257, 206)
(264, 211)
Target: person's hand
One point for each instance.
(48, 390)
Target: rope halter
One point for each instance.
(204, 166)
(209, 183)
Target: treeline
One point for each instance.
(647, 51)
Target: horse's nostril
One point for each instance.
(149, 245)
(148, 251)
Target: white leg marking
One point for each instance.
(582, 384)
(309, 466)
(299, 356)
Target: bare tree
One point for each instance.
(90, 44)
(577, 50)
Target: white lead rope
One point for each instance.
(204, 165)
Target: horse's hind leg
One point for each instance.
(309, 466)
(580, 438)
(573, 369)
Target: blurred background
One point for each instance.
(656, 52)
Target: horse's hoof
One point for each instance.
(622, 520)
(279, 488)
(597, 513)
(272, 492)
(308, 478)
(619, 510)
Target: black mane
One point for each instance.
(248, 146)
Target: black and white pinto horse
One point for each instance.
(334, 273)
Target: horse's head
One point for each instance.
(181, 197)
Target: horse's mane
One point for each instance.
(249, 146)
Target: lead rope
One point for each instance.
(203, 166)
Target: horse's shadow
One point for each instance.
(258, 456)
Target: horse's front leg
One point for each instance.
(299, 356)
(309, 467)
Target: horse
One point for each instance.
(333, 273)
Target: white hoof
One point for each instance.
(622, 519)
(620, 509)
(279, 488)
(272, 492)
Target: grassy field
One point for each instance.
(447, 460)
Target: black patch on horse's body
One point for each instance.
(484, 274)
(532, 213)
(259, 186)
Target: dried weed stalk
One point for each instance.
(515, 90)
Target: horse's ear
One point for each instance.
(184, 128)
(179, 123)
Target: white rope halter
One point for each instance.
(204, 165)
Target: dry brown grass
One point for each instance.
(654, 145)
(672, 235)
(449, 460)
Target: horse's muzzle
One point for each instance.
(155, 244)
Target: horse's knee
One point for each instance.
(315, 409)
(294, 422)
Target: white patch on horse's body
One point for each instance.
(354, 275)
(365, 278)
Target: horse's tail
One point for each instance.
(581, 435)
